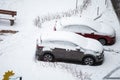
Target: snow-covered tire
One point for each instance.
(88, 61)
(48, 57)
(102, 41)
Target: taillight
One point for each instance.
(39, 46)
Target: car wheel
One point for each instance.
(48, 57)
(88, 61)
(102, 41)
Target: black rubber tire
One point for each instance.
(48, 57)
(89, 61)
(102, 41)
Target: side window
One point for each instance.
(60, 44)
(84, 29)
(79, 28)
(64, 44)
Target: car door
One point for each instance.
(59, 53)
(75, 54)
(67, 50)
(58, 49)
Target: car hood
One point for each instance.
(94, 45)
(107, 30)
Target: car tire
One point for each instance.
(88, 61)
(48, 57)
(102, 41)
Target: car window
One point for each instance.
(46, 43)
(62, 44)
(79, 28)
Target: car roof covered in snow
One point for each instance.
(79, 21)
(79, 40)
(102, 28)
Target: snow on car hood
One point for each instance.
(94, 45)
(108, 30)
(101, 28)
(86, 43)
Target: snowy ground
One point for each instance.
(17, 51)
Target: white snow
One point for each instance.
(17, 51)
(116, 74)
(81, 41)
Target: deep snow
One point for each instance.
(17, 51)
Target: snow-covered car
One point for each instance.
(62, 45)
(88, 28)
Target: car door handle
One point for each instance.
(67, 50)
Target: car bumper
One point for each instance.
(111, 40)
(100, 58)
(38, 54)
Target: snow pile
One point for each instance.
(17, 51)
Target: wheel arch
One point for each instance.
(103, 39)
(48, 52)
(88, 55)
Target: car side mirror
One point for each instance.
(78, 48)
(92, 33)
(82, 50)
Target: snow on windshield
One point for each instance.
(78, 28)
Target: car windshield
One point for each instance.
(79, 28)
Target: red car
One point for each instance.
(105, 34)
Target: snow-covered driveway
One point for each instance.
(17, 51)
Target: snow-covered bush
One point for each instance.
(39, 20)
(86, 3)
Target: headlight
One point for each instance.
(97, 53)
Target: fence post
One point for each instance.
(76, 4)
(97, 10)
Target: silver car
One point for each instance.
(61, 45)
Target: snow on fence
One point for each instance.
(78, 11)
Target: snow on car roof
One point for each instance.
(80, 21)
(83, 42)
(99, 27)
(65, 36)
